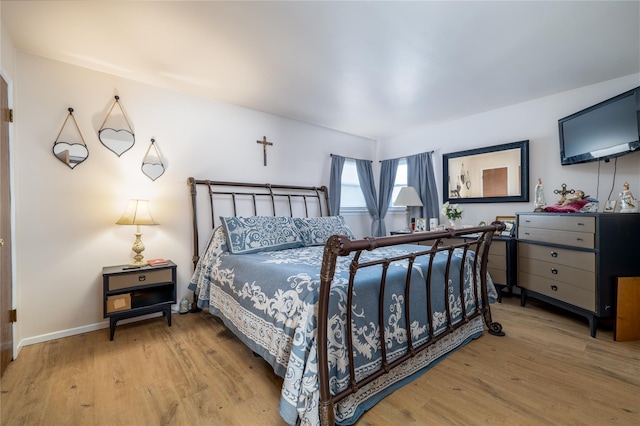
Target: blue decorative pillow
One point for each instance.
(315, 231)
(260, 233)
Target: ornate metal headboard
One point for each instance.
(251, 199)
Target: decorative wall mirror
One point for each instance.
(493, 174)
(118, 136)
(70, 153)
(152, 164)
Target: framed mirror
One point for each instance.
(493, 174)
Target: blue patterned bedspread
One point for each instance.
(269, 300)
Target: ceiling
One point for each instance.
(372, 69)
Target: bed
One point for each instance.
(343, 321)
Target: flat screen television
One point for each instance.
(603, 131)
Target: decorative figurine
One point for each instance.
(627, 203)
(540, 203)
(578, 196)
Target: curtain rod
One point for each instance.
(351, 158)
(406, 156)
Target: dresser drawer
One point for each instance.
(141, 279)
(497, 262)
(567, 238)
(561, 223)
(498, 248)
(576, 259)
(499, 276)
(557, 272)
(568, 293)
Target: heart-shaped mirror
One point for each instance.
(118, 137)
(152, 170)
(118, 141)
(152, 164)
(70, 154)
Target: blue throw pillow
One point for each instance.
(260, 233)
(315, 231)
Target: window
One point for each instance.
(401, 180)
(351, 197)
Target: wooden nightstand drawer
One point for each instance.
(146, 277)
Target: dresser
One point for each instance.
(572, 260)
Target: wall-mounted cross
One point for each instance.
(264, 146)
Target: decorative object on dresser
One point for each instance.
(610, 206)
(540, 202)
(116, 138)
(326, 343)
(627, 203)
(408, 197)
(510, 225)
(137, 213)
(131, 291)
(70, 153)
(573, 260)
(453, 212)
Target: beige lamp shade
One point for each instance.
(407, 197)
(137, 213)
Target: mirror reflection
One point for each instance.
(118, 141)
(497, 173)
(70, 154)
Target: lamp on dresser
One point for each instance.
(408, 197)
(137, 213)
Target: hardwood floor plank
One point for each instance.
(546, 370)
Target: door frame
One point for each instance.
(11, 213)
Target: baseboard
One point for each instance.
(74, 331)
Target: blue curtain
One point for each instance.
(335, 184)
(388, 170)
(421, 176)
(368, 187)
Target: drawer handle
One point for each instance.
(142, 277)
(526, 233)
(553, 254)
(579, 239)
(554, 271)
(580, 224)
(554, 287)
(527, 220)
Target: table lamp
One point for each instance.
(137, 213)
(408, 197)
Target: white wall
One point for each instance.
(536, 121)
(65, 225)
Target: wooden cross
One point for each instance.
(264, 146)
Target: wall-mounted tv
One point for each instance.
(603, 131)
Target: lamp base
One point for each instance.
(138, 248)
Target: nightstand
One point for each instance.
(129, 293)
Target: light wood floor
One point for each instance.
(547, 370)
